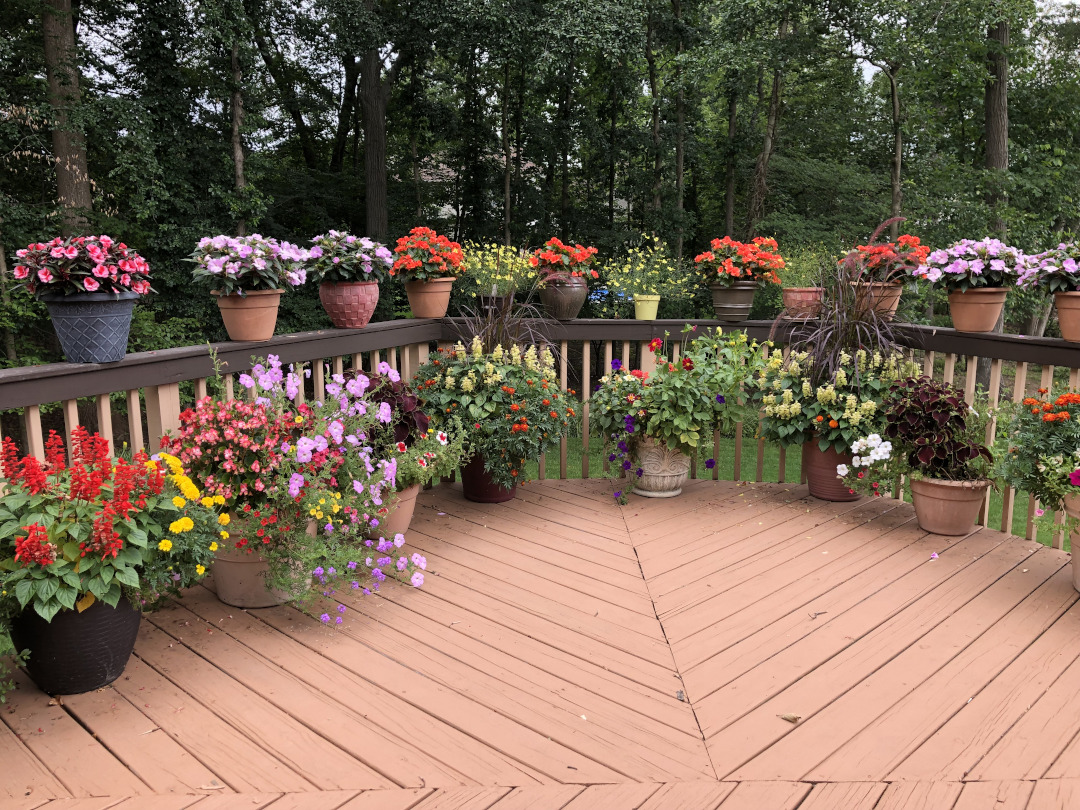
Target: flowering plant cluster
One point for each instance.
(424, 255)
(81, 264)
(1055, 270)
(885, 261)
(555, 262)
(76, 530)
(728, 261)
(337, 256)
(508, 400)
(646, 270)
(1039, 450)
(796, 407)
(495, 269)
(303, 483)
(969, 263)
(934, 431)
(681, 403)
(239, 264)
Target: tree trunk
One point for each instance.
(564, 206)
(507, 157)
(69, 148)
(654, 94)
(373, 102)
(996, 102)
(236, 104)
(344, 119)
(760, 190)
(414, 141)
(729, 169)
(612, 134)
(680, 130)
(898, 153)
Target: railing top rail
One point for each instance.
(32, 385)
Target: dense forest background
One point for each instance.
(162, 121)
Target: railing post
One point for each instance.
(162, 411)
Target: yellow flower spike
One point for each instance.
(179, 502)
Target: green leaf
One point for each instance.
(46, 588)
(66, 597)
(24, 592)
(47, 610)
(71, 551)
(127, 576)
(97, 587)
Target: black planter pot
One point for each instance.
(92, 327)
(477, 486)
(77, 652)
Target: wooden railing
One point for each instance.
(136, 401)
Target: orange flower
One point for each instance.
(1043, 390)
(833, 423)
(1049, 417)
(820, 418)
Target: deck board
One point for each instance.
(568, 653)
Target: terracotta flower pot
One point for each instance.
(732, 303)
(664, 471)
(947, 507)
(977, 309)
(645, 307)
(429, 299)
(400, 516)
(77, 652)
(250, 317)
(820, 469)
(564, 298)
(240, 577)
(350, 304)
(476, 484)
(1068, 311)
(801, 302)
(880, 296)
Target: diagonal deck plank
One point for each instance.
(573, 654)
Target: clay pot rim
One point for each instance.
(245, 293)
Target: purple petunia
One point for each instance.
(616, 365)
(720, 399)
(710, 463)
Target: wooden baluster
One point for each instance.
(1046, 380)
(103, 409)
(760, 472)
(337, 365)
(71, 420)
(200, 389)
(586, 386)
(358, 363)
(392, 357)
(562, 385)
(374, 358)
(928, 365)
(605, 464)
(229, 394)
(1008, 496)
(162, 411)
(969, 378)
(950, 368)
(35, 442)
(626, 354)
(716, 455)
(135, 429)
(991, 428)
(319, 372)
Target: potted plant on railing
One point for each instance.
(85, 543)
(299, 481)
(802, 283)
(877, 270)
(418, 452)
(497, 271)
(1057, 271)
(428, 263)
(563, 272)
(976, 274)
(348, 269)
(656, 422)
(246, 274)
(1038, 452)
(646, 273)
(734, 270)
(935, 439)
(510, 405)
(90, 285)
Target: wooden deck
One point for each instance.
(569, 653)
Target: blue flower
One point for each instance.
(616, 365)
(720, 399)
(710, 463)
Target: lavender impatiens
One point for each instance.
(238, 264)
(338, 256)
(973, 263)
(1056, 270)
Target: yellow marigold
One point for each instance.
(224, 534)
(214, 546)
(200, 569)
(207, 501)
(219, 500)
(174, 527)
(224, 518)
(165, 545)
(179, 502)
